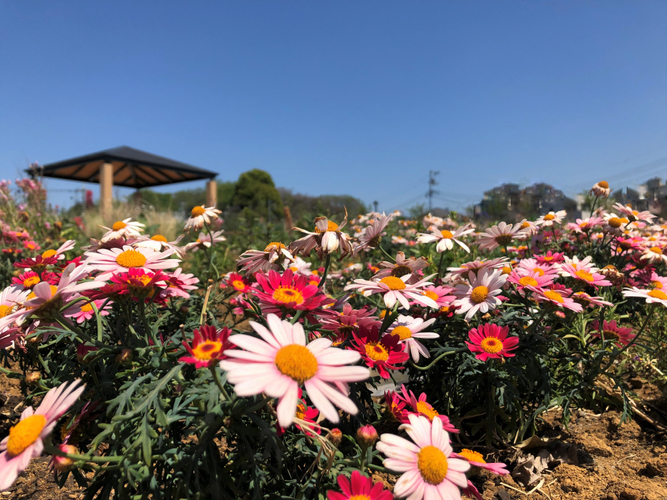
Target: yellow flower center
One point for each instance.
(297, 362)
(25, 433)
(274, 245)
(549, 217)
(491, 345)
(528, 281)
(656, 284)
(393, 283)
(446, 234)
(31, 281)
(538, 271)
(472, 456)
(5, 310)
(86, 307)
(376, 351)
(585, 275)
(656, 250)
(360, 497)
(48, 253)
(238, 285)
(331, 226)
(427, 410)
(507, 270)
(206, 349)
(615, 222)
(159, 237)
(525, 224)
(658, 294)
(197, 211)
(131, 258)
(432, 464)
(431, 295)
(479, 294)
(556, 297)
(603, 184)
(118, 225)
(403, 332)
(288, 296)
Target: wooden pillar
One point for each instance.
(106, 191)
(211, 193)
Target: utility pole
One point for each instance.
(375, 206)
(431, 182)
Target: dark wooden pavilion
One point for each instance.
(127, 167)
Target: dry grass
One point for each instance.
(166, 223)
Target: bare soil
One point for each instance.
(603, 460)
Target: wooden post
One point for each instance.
(211, 193)
(106, 191)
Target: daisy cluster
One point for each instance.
(313, 342)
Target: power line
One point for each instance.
(431, 182)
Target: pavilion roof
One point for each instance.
(131, 168)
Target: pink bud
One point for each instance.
(367, 435)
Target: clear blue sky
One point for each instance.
(343, 97)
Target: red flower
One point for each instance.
(288, 292)
(491, 341)
(349, 320)
(304, 413)
(396, 406)
(28, 280)
(422, 407)
(207, 346)
(612, 332)
(238, 283)
(381, 354)
(37, 264)
(360, 487)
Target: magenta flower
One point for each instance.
(360, 487)
(207, 346)
(491, 341)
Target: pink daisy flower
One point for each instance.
(370, 236)
(288, 292)
(408, 330)
(239, 283)
(654, 296)
(429, 470)
(25, 440)
(583, 270)
(549, 258)
(126, 228)
(359, 488)
(477, 265)
(87, 312)
(491, 342)
(275, 256)
(523, 278)
(281, 362)
(634, 215)
(501, 234)
(551, 218)
(589, 301)
(208, 346)
(178, 284)
(422, 407)
(558, 297)
(401, 267)
(542, 269)
(59, 253)
(477, 460)
(199, 216)
(113, 260)
(395, 289)
(442, 295)
(480, 293)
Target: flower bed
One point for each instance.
(411, 348)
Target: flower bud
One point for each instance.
(125, 356)
(32, 378)
(336, 436)
(63, 464)
(367, 435)
(82, 350)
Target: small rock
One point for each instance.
(611, 496)
(503, 495)
(628, 494)
(568, 485)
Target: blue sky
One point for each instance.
(346, 97)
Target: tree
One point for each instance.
(255, 190)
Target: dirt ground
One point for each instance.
(594, 458)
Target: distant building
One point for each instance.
(509, 202)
